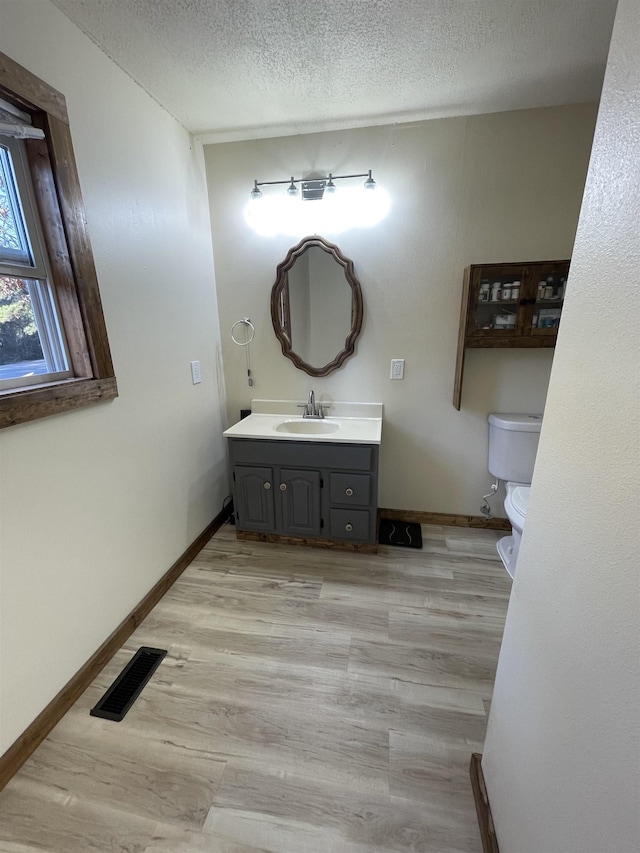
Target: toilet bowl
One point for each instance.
(516, 504)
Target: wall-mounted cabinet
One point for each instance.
(509, 305)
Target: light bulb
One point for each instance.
(330, 187)
(369, 184)
(256, 192)
(292, 189)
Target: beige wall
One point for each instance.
(501, 187)
(96, 505)
(562, 755)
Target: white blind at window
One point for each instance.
(16, 124)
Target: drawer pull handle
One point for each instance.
(267, 486)
(283, 487)
(349, 492)
(348, 527)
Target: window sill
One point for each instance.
(18, 406)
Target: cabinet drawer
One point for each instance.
(351, 489)
(350, 524)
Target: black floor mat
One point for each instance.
(406, 534)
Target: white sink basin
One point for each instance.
(308, 427)
(279, 420)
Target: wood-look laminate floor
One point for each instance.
(311, 701)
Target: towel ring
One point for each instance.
(252, 331)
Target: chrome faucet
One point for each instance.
(311, 409)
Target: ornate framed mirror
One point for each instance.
(316, 306)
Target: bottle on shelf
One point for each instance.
(495, 291)
(561, 289)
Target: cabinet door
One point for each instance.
(497, 303)
(299, 502)
(549, 282)
(254, 498)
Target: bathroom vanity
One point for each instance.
(307, 481)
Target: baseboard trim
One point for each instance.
(337, 545)
(446, 519)
(483, 808)
(32, 737)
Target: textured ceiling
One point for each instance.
(244, 69)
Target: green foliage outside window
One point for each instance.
(19, 340)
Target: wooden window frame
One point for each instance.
(56, 185)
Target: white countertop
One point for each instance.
(358, 423)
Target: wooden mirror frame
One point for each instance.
(281, 285)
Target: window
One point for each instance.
(54, 352)
(32, 343)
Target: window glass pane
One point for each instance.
(14, 243)
(22, 349)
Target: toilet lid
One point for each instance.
(519, 500)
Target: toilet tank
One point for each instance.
(513, 444)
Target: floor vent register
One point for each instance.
(128, 685)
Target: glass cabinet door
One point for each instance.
(549, 285)
(497, 295)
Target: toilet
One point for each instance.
(513, 444)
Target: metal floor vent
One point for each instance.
(128, 685)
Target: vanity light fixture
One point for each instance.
(359, 203)
(312, 188)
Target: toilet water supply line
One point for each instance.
(485, 509)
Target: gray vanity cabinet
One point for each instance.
(309, 490)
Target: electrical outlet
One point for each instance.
(195, 372)
(397, 368)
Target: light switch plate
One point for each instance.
(195, 372)
(397, 368)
